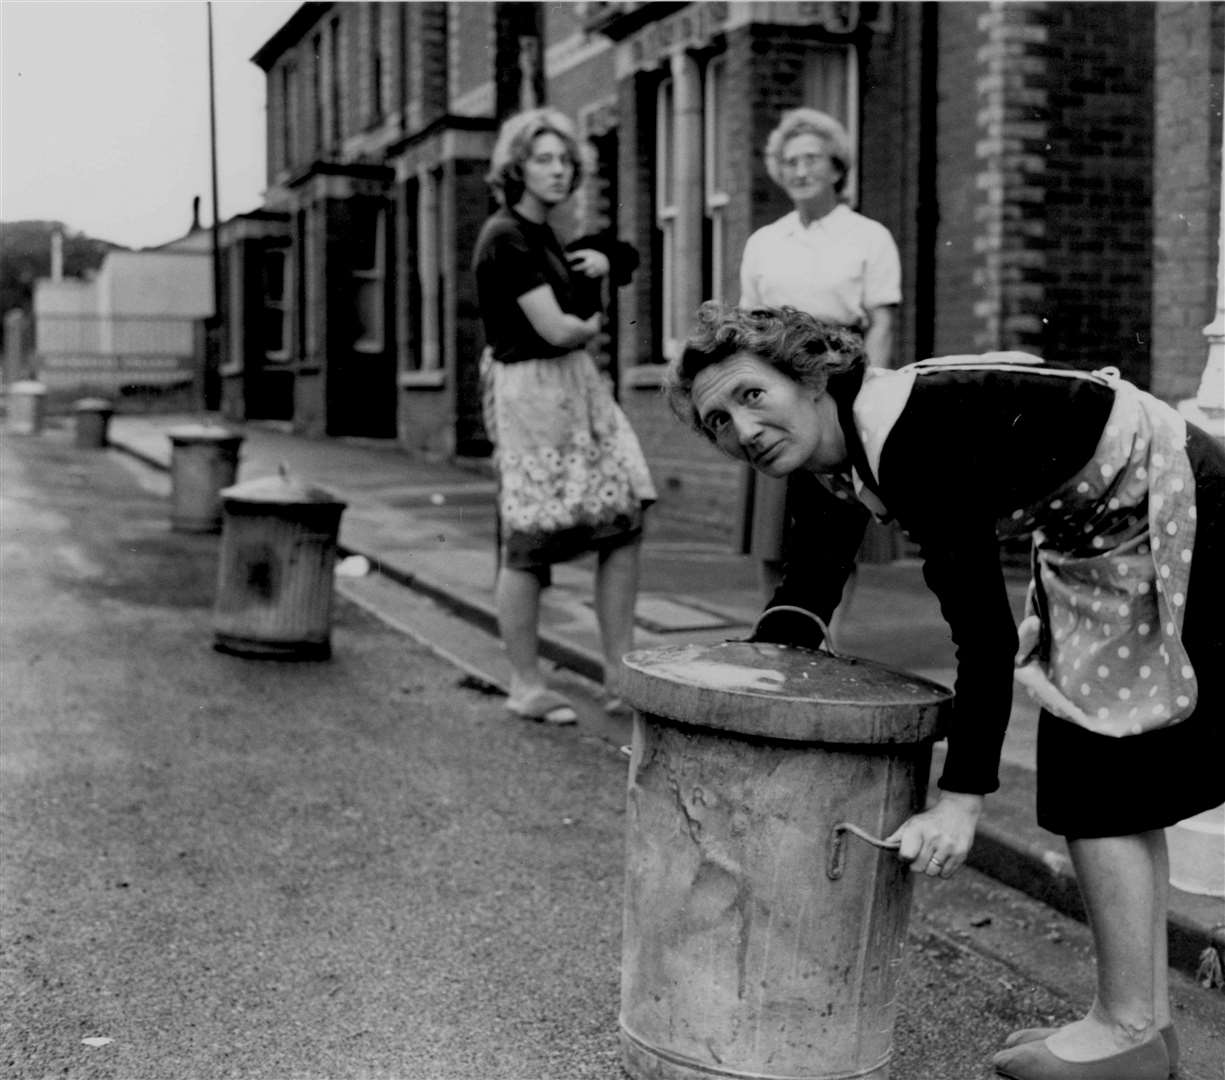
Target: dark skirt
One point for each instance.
(1093, 785)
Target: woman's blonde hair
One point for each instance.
(810, 122)
(514, 147)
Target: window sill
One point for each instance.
(643, 377)
(422, 380)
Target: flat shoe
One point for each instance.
(1027, 1035)
(1034, 1061)
(544, 705)
(616, 706)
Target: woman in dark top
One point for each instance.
(1120, 645)
(572, 478)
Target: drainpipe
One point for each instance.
(1207, 408)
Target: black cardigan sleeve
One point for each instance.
(823, 539)
(961, 565)
(941, 479)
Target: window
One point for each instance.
(715, 164)
(317, 132)
(377, 103)
(288, 115)
(335, 128)
(276, 312)
(369, 274)
(665, 214)
(831, 84)
(691, 162)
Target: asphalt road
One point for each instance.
(216, 867)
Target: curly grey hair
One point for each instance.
(810, 122)
(791, 341)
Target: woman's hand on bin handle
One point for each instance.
(937, 841)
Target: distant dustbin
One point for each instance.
(27, 407)
(762, 936)
(274, 580)
(92, 416)
(203, 460)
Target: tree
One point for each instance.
(25, 256)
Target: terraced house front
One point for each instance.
(1051, 173)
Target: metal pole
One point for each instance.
(212, 376)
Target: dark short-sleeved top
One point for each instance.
(967, 449)
(512, 257)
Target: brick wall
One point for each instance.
(1013, 129)
(889, 156)
(472, 47)
(635, 109)
(1045, 157)
(427, 47)
(696, 483)
(959, 323)
(470, 189)
(1099, 170)
(1190, 46)
(765, 73)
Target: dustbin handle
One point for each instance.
(826, 636)
(837, 846)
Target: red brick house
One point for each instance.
(1051, 172)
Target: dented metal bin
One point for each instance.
(274, 576)
(762, 936)
(91, 418)
(26, 404)
(203, 460)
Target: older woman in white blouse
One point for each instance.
(824, 259)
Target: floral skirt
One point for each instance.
(571, 475)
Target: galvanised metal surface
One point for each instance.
(756, 944)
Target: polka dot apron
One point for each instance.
(1101, 640)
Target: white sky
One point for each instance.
(104, 112)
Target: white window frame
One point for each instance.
(280, 303)
(666, 210)
(820, 87)
(714, 168)
(374, 277)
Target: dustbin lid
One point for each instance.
(27, 386)
(782, 692)
(202, 433)
(279, 491)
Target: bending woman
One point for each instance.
(572, 477)
(1126, 506)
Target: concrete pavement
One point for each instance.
(429, 525)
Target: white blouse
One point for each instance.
(836, 269)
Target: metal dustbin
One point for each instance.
(762, 936)
(274, 578)
(92, 417)
(203, 460)
(26, 403)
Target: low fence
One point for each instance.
(144, 360)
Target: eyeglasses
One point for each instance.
(808, 161)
